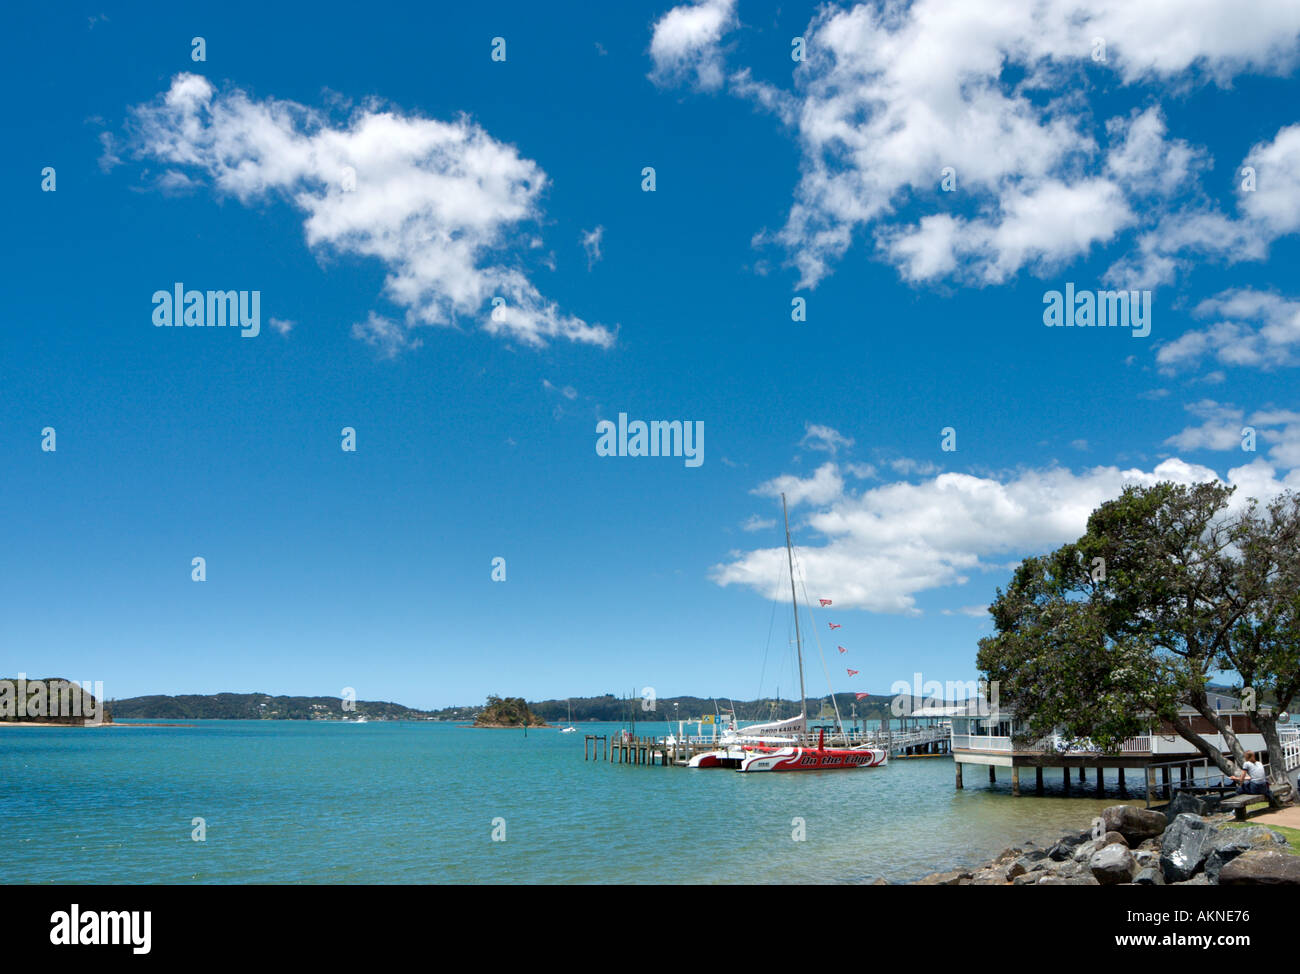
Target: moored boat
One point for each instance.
(765, 747)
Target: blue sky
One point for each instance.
(476, 439)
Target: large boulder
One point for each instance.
(1065, 847)
(1229, 843)
(1185, 845)
(1135, 824)
(1083, 852)
(1068, 881)
(1260, 867)
(1150, 876)
(953, 878)
(1113, 864)
(1113, 838)
(1184, 802)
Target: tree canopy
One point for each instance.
(1167, 587)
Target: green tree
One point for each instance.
(1164, 589)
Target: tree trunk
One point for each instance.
(1202, 705)
(1205, 747)
(1277, 776)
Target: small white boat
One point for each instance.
(570, 729)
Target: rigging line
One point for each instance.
(826, 670)
(762, 674)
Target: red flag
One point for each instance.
(853, 672)
(834, 625)
(841, 649)
(861, 695)
(824, 601)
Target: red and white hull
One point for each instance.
(814, 759)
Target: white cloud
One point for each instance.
(819, 437)
(385, 335)
(684, 44)
(282, 325)
(1223, 428)
(568, 392)
(1202, 231)
(591, 244)
(756, 523)
(907, 467)
(823, 485)
(1247, 328)
(974, 611)
(892, 93)
(441, 204)
(880, 547)
(1220, 428)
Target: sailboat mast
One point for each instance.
(794, 600)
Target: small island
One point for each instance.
(50, 701)
(507, 712)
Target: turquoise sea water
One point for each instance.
(302, 802)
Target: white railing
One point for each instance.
(981, 742)
(984, 742)
(1290, 748)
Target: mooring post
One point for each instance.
(1067, 780)
(993, 775)
(1123, 789)
(1038, 780)
(1100, 787)
(958, 766)
(1015, 781)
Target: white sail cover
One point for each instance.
(791, 725)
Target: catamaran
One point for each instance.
(776, 745)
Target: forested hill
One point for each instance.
(257, 706)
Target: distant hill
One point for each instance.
(258, 706)
(612, 708)
(262, 706)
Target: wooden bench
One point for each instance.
(1239, 803)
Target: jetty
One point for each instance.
(993, 738)
(931, 740)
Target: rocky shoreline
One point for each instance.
(1187, 844)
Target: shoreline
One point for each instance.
(509, 726)
(1187, 843)
(53, 723)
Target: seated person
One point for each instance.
(1252, 780)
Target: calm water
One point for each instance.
(300, 802)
